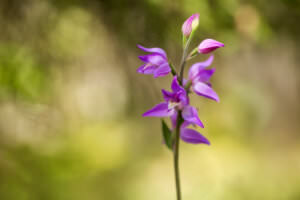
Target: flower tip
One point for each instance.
(199, 123)
(190, 24)
(215, 97)
(145, 114)
(138, 70)
(142, 57)
(140, 46)
(156, 75)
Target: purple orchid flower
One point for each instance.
(200, 76)
(209, 45)
(174, 101)
(190, 24)
(155, 63)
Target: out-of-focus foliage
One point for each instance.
(20, 75)
(71, 101)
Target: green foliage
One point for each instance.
(167, 135)
(21, 76)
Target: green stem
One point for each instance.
(184, 56)
(183, 60)
(173, 71)
(176, 155)
(180, 119)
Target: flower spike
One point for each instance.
(176, 104)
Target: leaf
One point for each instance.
(167, 135)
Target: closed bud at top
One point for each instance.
(190, 24)
(209, 45)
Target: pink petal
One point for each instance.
(162, 70)
(190, 115)
(146, 69)
(159, 110)
(203, 89)
(175, 85)
(153, 50)
(204, 75)
(195, 68)
(193, 137)
(155, 58)
(168, 96)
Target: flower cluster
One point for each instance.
(176, 103)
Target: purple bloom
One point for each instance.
(209, 45)
(200, 76)
(190, 24)
(175, 100)
(155, 63)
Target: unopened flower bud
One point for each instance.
(190, 25)
(209, 45)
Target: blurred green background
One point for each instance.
(71, 101)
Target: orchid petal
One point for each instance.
(159, 110)
(203, 89)
(175, 85)
(155, 58)
(154, 50)
(190, 114)
(183, 98)
(193, 137)
(168, 96)
(141, 69)
(204, 75)
(162, 70)
(209, 45)
(184, 124)
(195, 68)
(146, 69)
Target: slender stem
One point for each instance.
(182, 63)
(176, 156)
(173, 71)
(184, 56)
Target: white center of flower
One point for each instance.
(148, 65)
(172, 105)
(195, 23)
